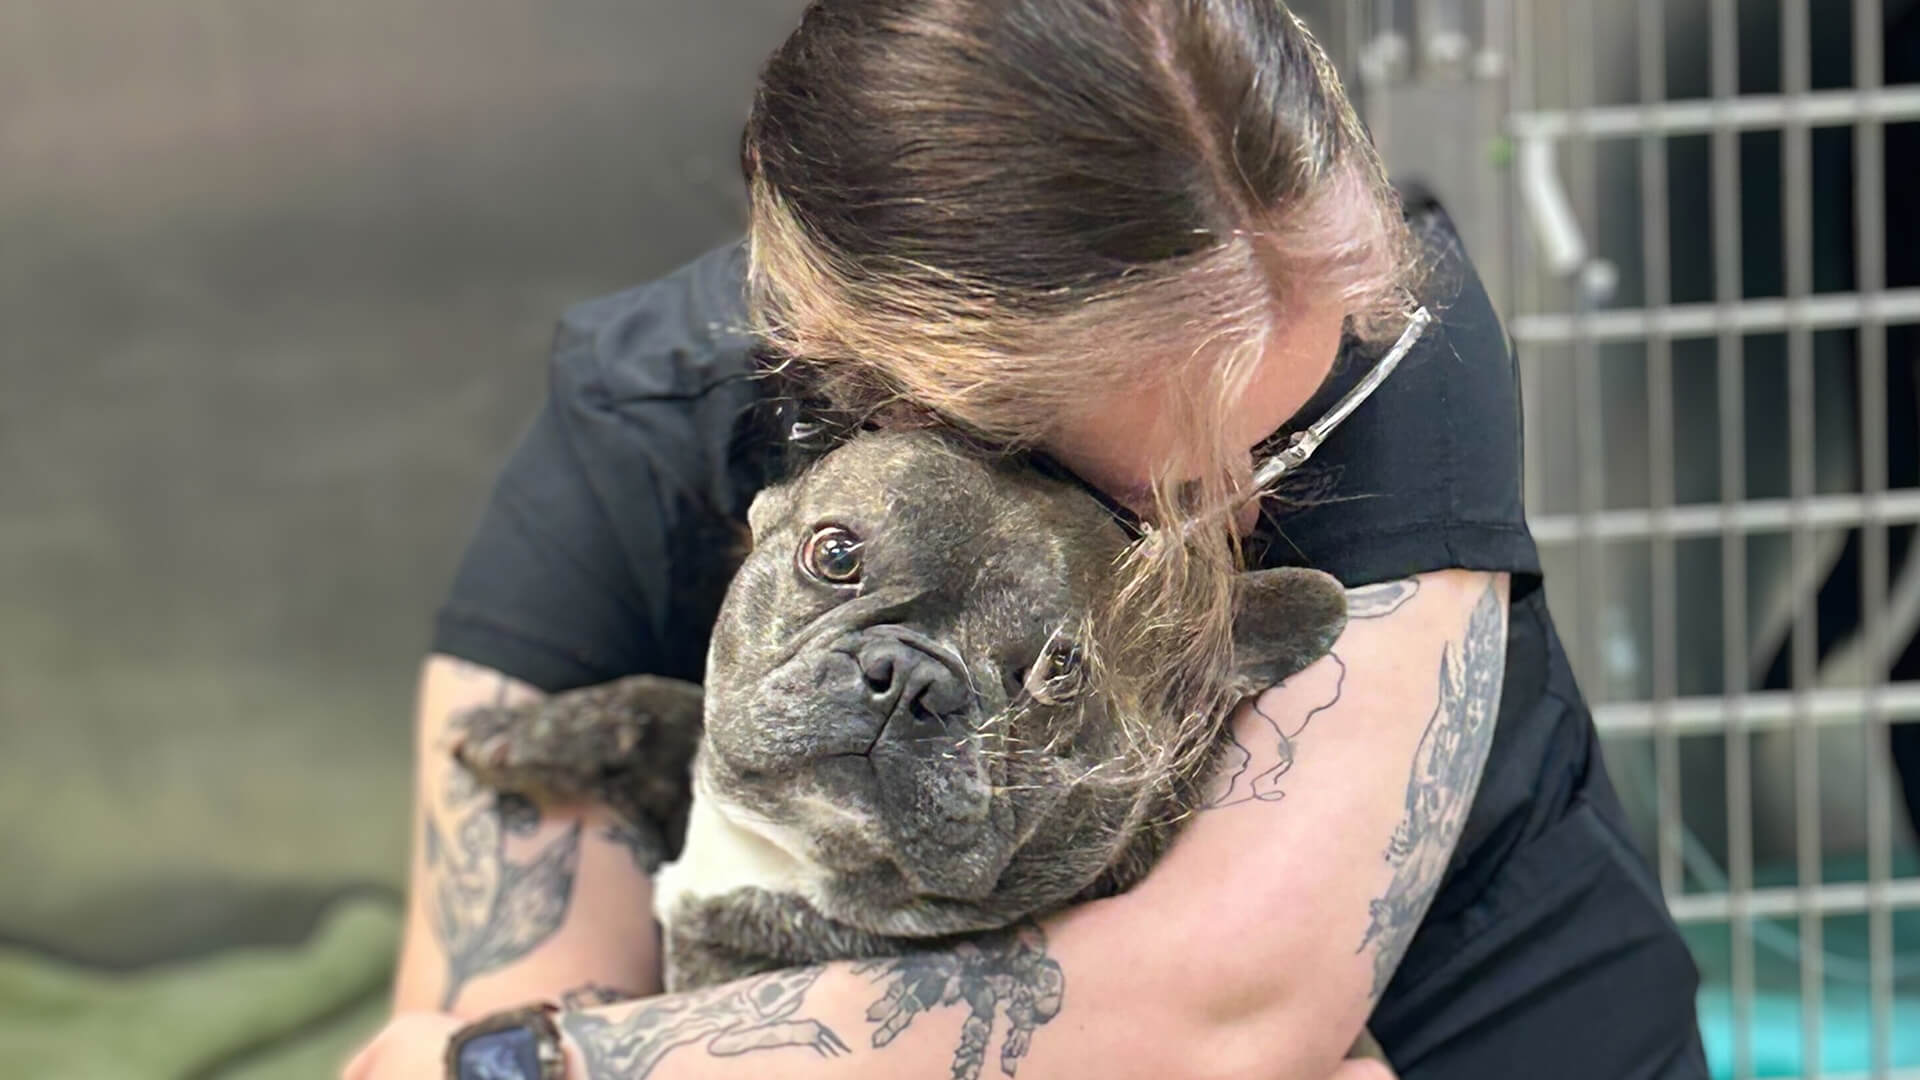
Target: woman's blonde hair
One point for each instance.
(992, 214)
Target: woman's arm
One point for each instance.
(509, 903)
(1256, 948)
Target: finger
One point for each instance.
(1363, 1070)
(359, 1064)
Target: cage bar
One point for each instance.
(1725, 74)
(1871, 279)
(1495, 56)
(1825, 311)
(1588, 423)
(1839, 898)
(1524, 284)
(1764, 710)
(1751, 516)
(1662, 579)
(1796, 166)
(1822, 108)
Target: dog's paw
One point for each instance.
(485, 742)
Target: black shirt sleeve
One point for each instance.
(610, 533)
(1425, 474)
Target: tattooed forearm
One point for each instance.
(1005, 974)
(1379, 601)
(1253, 773)
(1008, 972)
(1445, 775)
(490, 905)
(761, 1013)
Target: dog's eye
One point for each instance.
(831, 555)
(1059, 675)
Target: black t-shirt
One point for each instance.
(611, 534)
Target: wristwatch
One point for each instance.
(519, 1044)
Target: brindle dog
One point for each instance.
(907, 731)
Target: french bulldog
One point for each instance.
(908, 724)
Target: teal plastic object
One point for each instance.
(1846, 1016)
(1775, 1032)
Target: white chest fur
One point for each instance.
(719, 856)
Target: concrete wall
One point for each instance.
(276, 282)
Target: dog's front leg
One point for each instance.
(627, 745)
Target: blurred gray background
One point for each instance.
(276, 284)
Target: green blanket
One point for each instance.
(243, 1014)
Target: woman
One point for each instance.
(1149, 238)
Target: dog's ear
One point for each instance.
(769, 505)
(1284, 620)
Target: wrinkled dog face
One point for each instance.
(900, 647)
(899, 687)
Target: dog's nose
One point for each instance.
(913, 693)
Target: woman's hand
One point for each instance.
(412, 1046)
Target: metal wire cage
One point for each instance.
(1697, 217)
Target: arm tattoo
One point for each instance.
(1244, 778)
(1007, 970)
(1238, 779)
(1379, 601)
(643, 847)
(738, 1018)
(490, 909)
(1445, 775)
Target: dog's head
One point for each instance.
(902, 690)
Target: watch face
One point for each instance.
(512, 1054)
